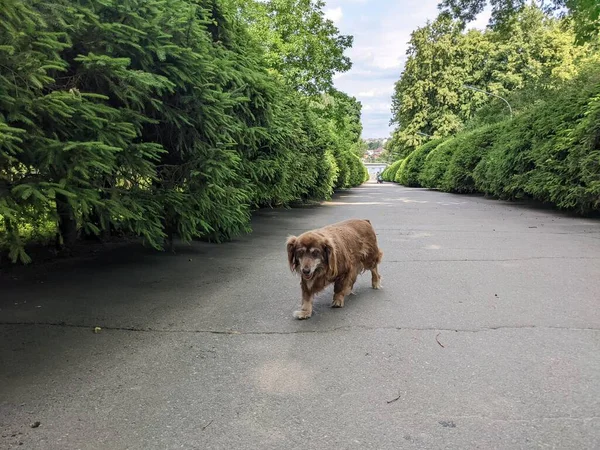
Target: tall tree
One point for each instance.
(434, 96)
(585, 13)
(301, 44)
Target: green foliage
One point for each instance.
(384, 174)
(165, 117)
(427, 96)
(401, 170)
(433, 96)
(389, 174)
(373, 145)
(584, 13)
(549, 153)
(300, 43)
(408, 174)
(546, 146)
(436, 162)
(473, 146)
(366, 175)
(586, 17)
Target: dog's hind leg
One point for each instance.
(375, 278)
(359, 270)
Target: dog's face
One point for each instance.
(308, 254)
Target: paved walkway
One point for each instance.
(486, 335)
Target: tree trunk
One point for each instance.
(9, 229)
(67, 225)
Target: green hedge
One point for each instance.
(389, 173)
(436, 163)
(156, 118)
(409, 173)
(472, 147)
(366, 174)
(550, 152)
(401, 169)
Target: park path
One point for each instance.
(486, 335)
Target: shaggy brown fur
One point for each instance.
(333, 254)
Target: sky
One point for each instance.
(381, 30)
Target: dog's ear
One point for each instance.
(291, 249)
(330, 258)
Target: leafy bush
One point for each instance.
(157, 118)
(389, 173)
(402, 169)
(384, 174)
(436, 163)
(472, 148)
(357, 171)
(551, 153)
(413, 164)
(366, 174)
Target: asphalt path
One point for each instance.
(486, 334)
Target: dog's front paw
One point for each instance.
(301, 315)
(337, 303)
(376, 284)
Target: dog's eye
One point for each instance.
(315, 253)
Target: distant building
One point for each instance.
(373, 154)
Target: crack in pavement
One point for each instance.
(308, 331)
(495, 419)
(531, 258)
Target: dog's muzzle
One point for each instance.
(307, 274)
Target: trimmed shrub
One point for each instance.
(385, 173)
(389, 173)
(566, 151)
(366, 175)
(498, 172)
(473, 146)
(436, 163)
(552, 152)
(357, 171)
(402, 169)
(409, 175)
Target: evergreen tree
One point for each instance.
(163, 118)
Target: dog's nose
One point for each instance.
(306, 270)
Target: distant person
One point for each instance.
(379, 178)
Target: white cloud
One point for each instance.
(384, 49)
(377, 92)
(378, 107)
(334, 14)
(381, 30)
(370, 93)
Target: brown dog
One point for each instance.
(333, 254)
